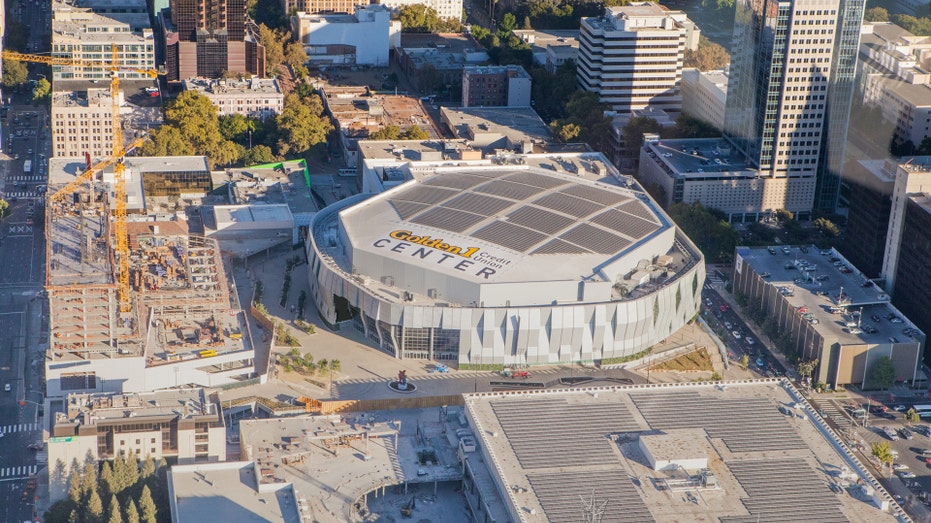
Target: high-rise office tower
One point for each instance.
(791, 81)
(206, 38)
(632, 56)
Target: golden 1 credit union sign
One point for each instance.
(437, 251)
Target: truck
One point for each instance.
(27, 166)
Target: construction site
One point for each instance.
(178, 310)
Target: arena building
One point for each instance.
(533, 258)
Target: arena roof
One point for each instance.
(511, 213)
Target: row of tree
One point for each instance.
(280, 49)
(121, 491)
(418, 18)
(193, 127)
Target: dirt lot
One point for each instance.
(695, 360)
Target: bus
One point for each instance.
(27, 166)
(347, 172)
(923, 411)
(207, 353)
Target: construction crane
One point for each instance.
(115, 159)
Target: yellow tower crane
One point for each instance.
(116, 159)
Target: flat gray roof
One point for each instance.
(517, 123)
(873, 300)
(228, 492)
(553, 452)
(701, 158)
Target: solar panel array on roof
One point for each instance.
(515, 191)
(538, 205)
(595, 239)
(448, 219)
(567, 204)
(478, 204)
(509, 235)
(562, 496)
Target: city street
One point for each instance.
(25, 142)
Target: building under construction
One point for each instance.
(181, 324)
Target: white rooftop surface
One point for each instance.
(226, 214)
(228, 492)
(530, 224)
(553, 451)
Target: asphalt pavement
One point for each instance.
(24, 136)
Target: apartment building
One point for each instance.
(495, 86)
(252, 97)
(82, 123)
(83, 34)
(632, 56)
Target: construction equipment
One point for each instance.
(115, 159)
(408, 508)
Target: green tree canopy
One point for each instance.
(42, 91)
(294, 54)
(876, 14)
(195, 116)
(418, 18)
(132, 514)
(147, 508)
(707, 228)
(236, 127)
(883, 452)
(883, 373)
(301, 124)
(115, 516)
(414, 133)
(4, 208)
(708, 56)
(827, 227)
(258, 155)
(14, 73)
(636, 127)
(388, 132)
(273, 41)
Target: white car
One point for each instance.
(898, 467)
(7, 388)
(736, 335)
(907, 475)
(751, 341)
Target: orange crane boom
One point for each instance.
(115, 159)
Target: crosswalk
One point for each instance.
(21, 427)
(21, 194)
(23, 471)
(25, 178)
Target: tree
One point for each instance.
(148, 468)
(294, 55)
(42, 91)
(74, 487)
(14, 73)
(115, 515)
(708, 228)
(414, 133)
(236, 127)
(388, 132)
(805, 368)
(195, 116)
(707, 56)
(418, 18)
(4, 208)
(258, 155)
(744, 361)
(911, 416)
(166, 141)
(508, 24)
(883, 374)
(565, 130)
(106, 479)
(132, 514)
(876, 14)
(93, 512)
(301, 124)
(882, 452)
(335, 365)
(273, 41)
(527, 24)
(147, 506)
(827, 227)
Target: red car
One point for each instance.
(724, 308)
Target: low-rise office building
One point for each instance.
(827, 310)
(348, 40)
(495, 86)
(185, 426)
(253, 97)
(704, 94)
(712, 172)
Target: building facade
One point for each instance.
(912, 291)
(704, 94)
(82, 123)
(313, 7)
(632, 56)
(790, 87)
(184, 425)
(495, 86)
(207, 38)
(82, 34)
(913, 177)
(254, 97)
(362, 38)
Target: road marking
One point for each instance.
(16, 473)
